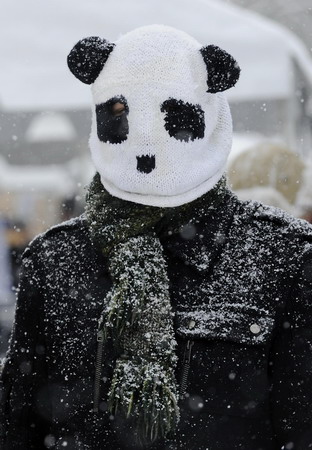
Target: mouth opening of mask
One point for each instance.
(146, 163)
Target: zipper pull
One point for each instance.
(189, 347)
(100, 335)
(100, 322)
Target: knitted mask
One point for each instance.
(161, 129)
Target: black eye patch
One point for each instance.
(183, 121)
(112, 126)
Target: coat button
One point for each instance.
(191, 324)
(254, 328)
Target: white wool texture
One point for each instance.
(149, 66)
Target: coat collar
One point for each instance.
(200, 240)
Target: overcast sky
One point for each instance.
(295, 14)
(36, 36)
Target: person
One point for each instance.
(6, 294)
(169, 315)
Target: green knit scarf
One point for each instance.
(137, 310)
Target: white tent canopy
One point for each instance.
(36, 37)
(53, 179)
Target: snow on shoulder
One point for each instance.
(288, 223)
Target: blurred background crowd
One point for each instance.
(45, 114)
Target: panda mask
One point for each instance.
(161, 128)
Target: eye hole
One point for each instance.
(112, 120)
(183, 121)
(118, 109)
(184, 135)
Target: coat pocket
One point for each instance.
(240, 323)
(228, 373)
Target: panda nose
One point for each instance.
(146, 163)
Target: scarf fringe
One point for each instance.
(146, 392)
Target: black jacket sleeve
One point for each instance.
(292, 365)
(23, 411)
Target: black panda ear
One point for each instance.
(87, 58)
(223, 71)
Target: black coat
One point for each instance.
(241, 289)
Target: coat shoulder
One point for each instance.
(70, 231)
(74, 224)
(278, 221)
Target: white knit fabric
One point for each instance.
(148, 66)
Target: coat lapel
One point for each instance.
(199, 242)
